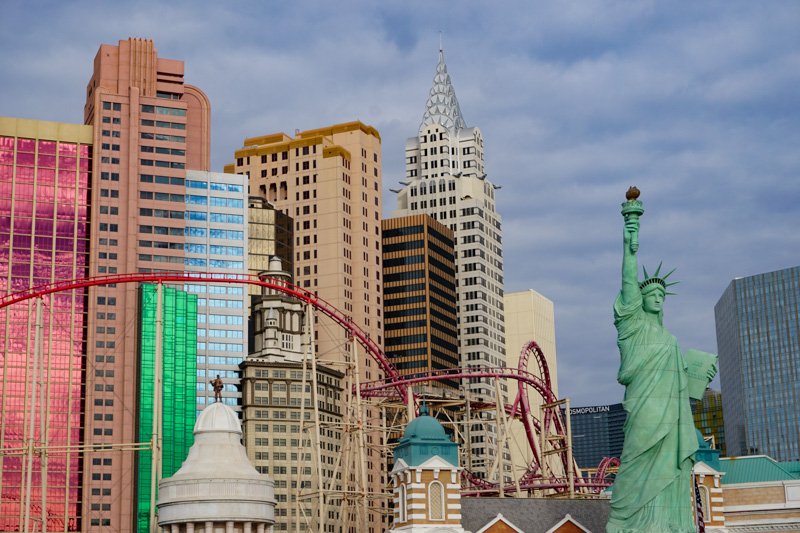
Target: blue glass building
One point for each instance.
(596, 433)
(757, 322)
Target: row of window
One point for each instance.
(161, 110)
(162, 164)
(164, 124)
(163, 180)
(220, 347)
(163, 137)
(215, 217)
(220, 320)
(212, 289)
(214, 186)
(193, 261)
(215, 201)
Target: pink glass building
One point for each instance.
(45, 175)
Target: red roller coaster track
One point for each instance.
(520, 408)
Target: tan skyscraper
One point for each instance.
(329, 181)
(149, 127)
(529, 317)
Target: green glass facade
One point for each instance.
(179, 384)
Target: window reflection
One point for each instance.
(36, 250)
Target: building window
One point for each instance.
(402, 497)
(436, 501)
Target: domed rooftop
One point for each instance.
(216, 481)
(424, 438)
(217, 417)
(425, 427)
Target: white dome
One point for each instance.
(218, 417)
(216, 481)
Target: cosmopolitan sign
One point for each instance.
(589, 410)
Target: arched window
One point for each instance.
(402, 504)
(436, 501)
(705, 500)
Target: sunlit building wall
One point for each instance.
(329, 181)
(529, 317)
(279, 430)
(45, 179)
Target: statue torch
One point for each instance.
(632, 210)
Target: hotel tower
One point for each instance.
(446, 179)
(149, 126)
(329, 181)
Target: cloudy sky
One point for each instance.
(697, 103)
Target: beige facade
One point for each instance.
(529, 317)
(279, 433)
(329, 181)
(149, 127)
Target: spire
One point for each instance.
(442, 106)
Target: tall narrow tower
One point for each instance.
(445, 178)
(148, 128)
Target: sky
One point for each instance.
(695, 103)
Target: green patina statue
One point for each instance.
(652, 491)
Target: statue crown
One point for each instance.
(656, 278)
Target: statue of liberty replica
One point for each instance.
(653, 492)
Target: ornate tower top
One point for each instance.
(424, 438)
(442, 105)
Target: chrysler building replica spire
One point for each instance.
(445, 178)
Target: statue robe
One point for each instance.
(652, 491)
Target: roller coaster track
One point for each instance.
(394, 384)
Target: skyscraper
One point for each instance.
(45, 175)
(597, 433)
(758, 338)
(149, 126)
(329, 181)
(419, 299)
(445, 178)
